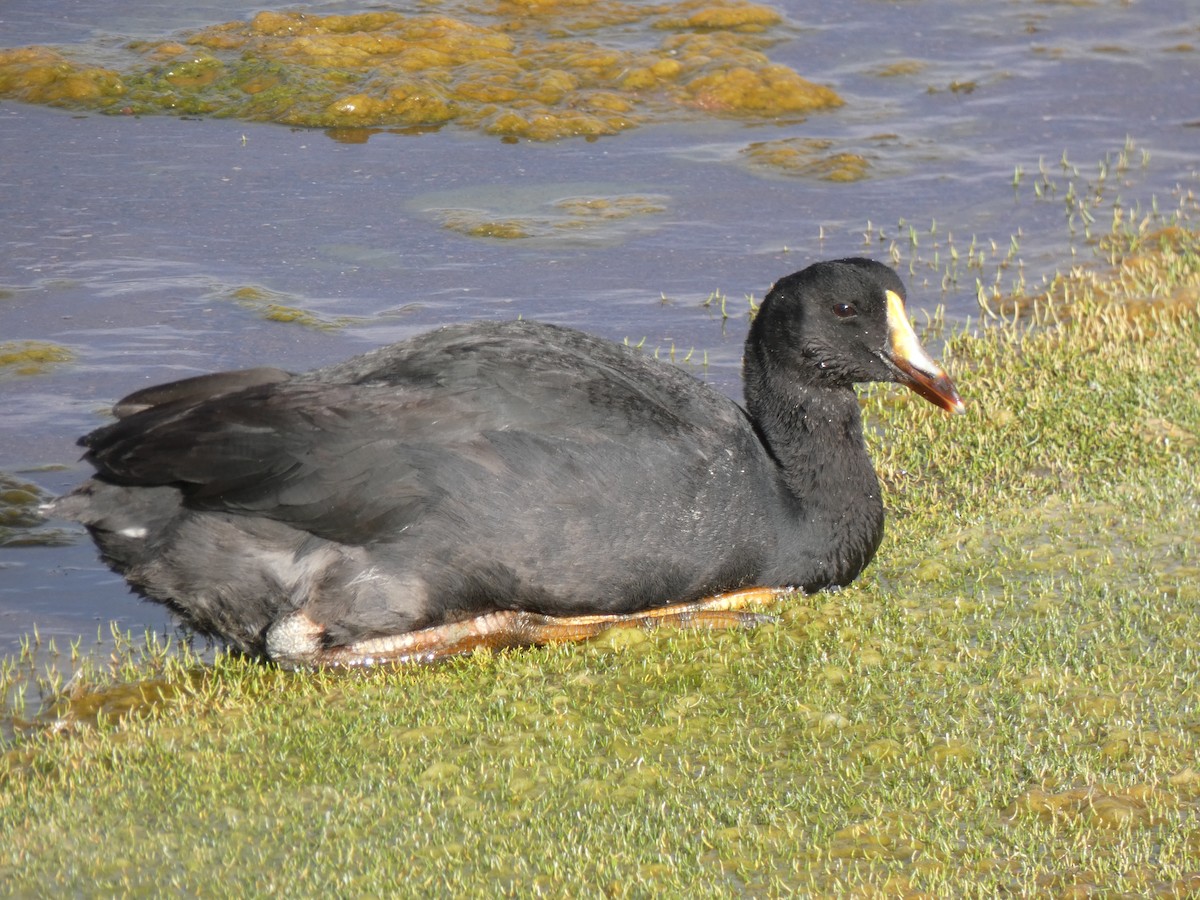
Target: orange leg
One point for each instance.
(497, 630)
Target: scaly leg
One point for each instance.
(497, 630)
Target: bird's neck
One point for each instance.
(814, 434)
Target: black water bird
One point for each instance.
(505, 483)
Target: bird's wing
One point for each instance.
(358, 462)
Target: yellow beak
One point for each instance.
(917, 369)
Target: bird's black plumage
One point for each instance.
(514, 466)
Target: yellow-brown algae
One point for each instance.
(520, 70)
(567, 214)
(806, 158)
(31, 357)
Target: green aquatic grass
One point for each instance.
(1008, 700)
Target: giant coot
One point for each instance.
(505, 483)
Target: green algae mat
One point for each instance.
(1007, 702)
(533, 69)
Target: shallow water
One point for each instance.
(150, 247)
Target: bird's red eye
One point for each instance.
(845, 311)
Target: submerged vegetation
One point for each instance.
(537, 69)
(278, 307)
(588, 217)
(31, 357)
(1007, 701)
(20, 521)
(805, 158)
